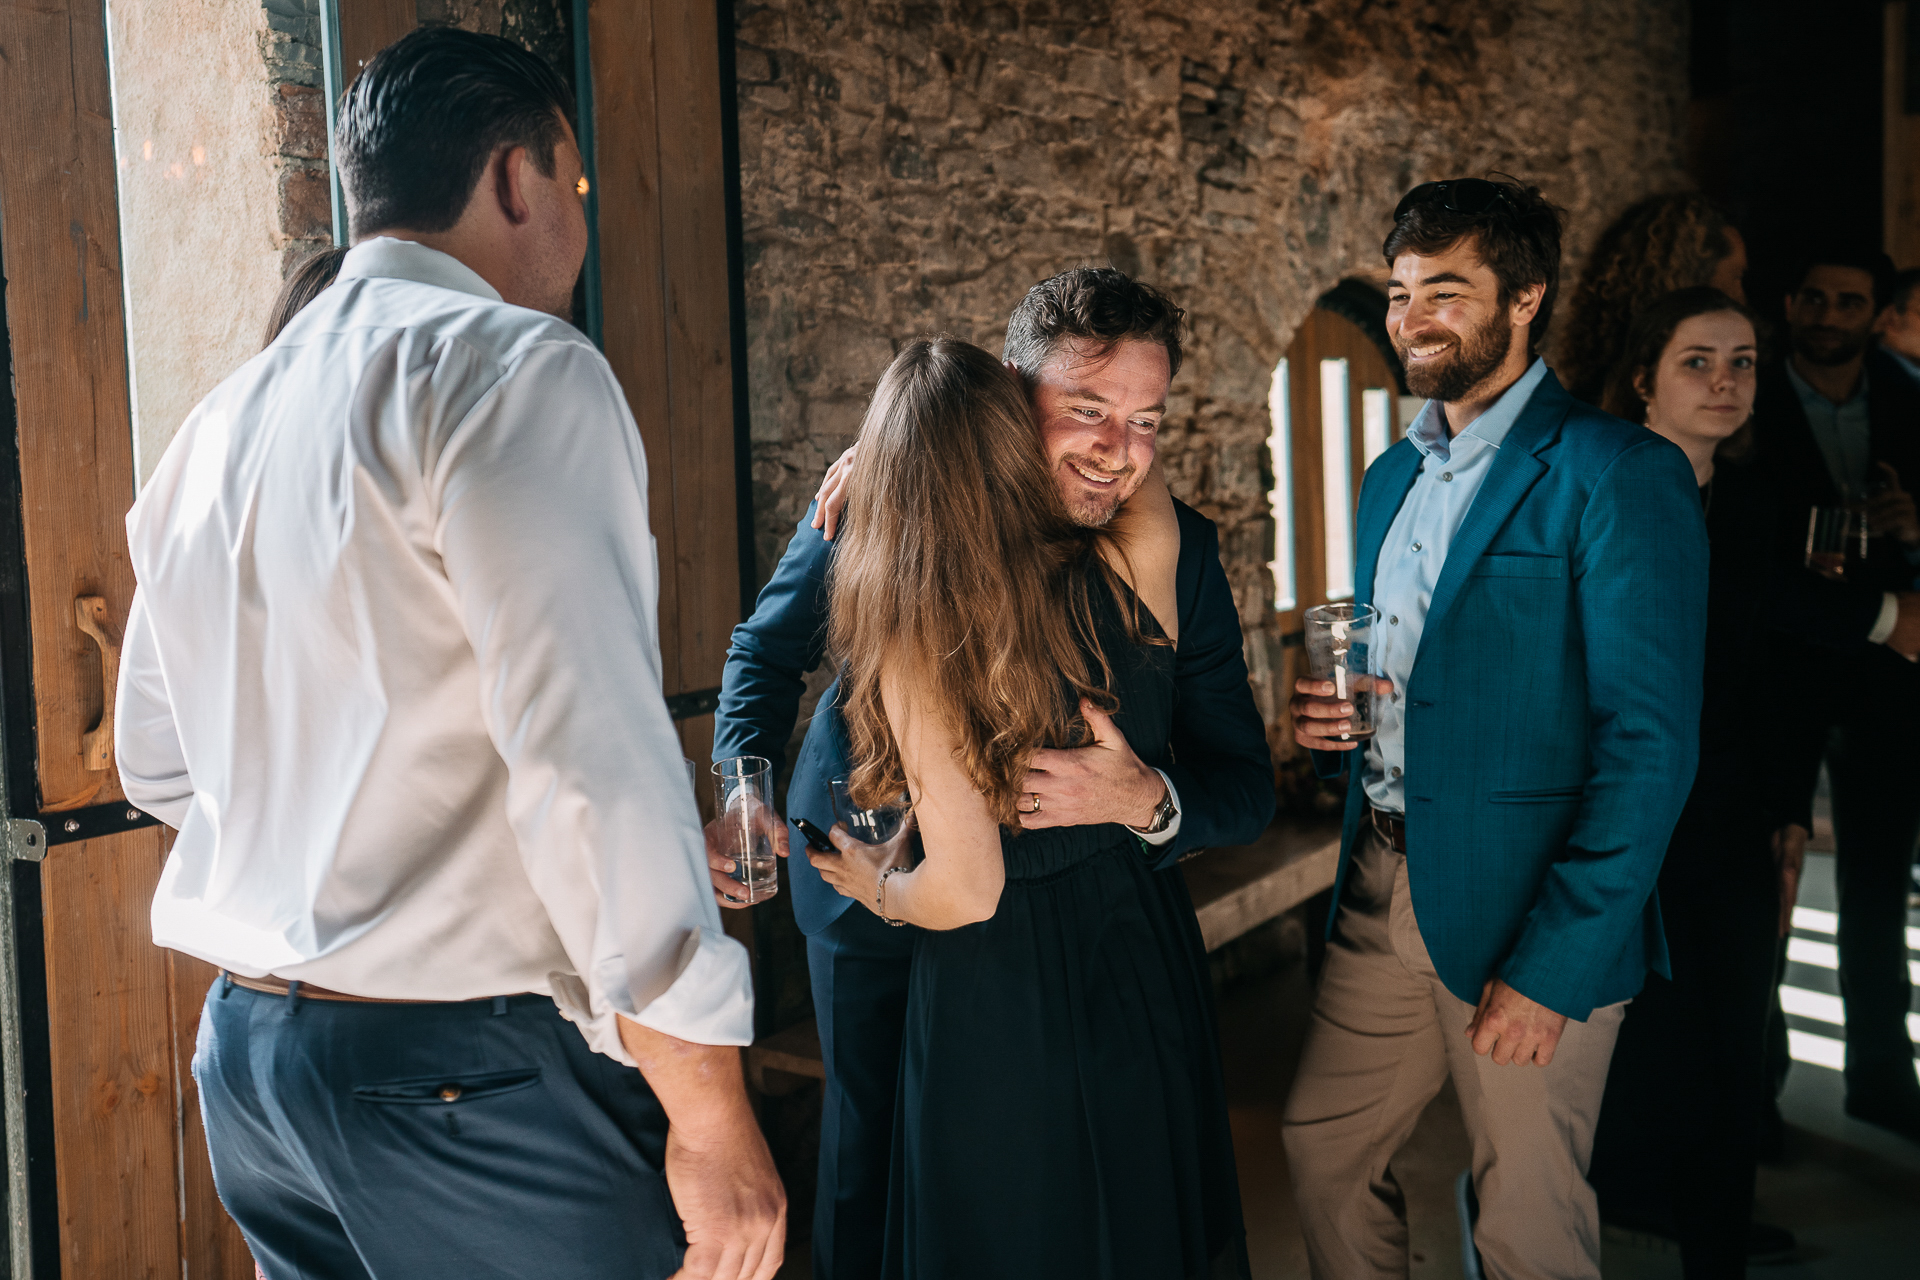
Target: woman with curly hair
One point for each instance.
(1662, 244)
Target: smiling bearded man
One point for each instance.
(1535, 742)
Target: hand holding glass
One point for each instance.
(743, 799)
(1337, 644)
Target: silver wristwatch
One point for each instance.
(1163, 816)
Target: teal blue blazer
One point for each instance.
(1553, 710)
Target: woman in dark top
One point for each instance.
(1674, 1153)
(1061, 1106)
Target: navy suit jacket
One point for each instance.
(1221, 766)
(1553, 710)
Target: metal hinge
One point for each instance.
(26, 840)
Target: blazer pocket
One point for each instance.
(1542, 795)
(444, 1089)
(1519, 566)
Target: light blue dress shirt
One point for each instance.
(1451, 473)
(1843, 432)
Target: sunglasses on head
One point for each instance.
(1455, 195)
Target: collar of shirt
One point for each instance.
(1816, 403)
(1429, 430)
(387, 257)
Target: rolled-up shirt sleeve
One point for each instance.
(541, 525)
(146, 742)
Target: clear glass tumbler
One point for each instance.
(872, 826)
(743, 799)
(1834, 536)
(1337, 644)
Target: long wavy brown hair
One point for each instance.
(1661, 244)
(962, 571)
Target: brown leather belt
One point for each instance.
(1392, 830)
(273, 986)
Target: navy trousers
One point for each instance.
(431, 1141)
(859, 965)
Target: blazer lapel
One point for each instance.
(1513, 473)
(1380, 500)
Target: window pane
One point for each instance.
(1336, 460)
(1280, 501)
(1376, 422)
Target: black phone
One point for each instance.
(816, 838)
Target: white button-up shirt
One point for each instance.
(1452, 470)
(393, 670)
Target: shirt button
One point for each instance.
(1446, 475)
(1391, 773)
(1394, 621)
(449, 1093)
(1416, 546)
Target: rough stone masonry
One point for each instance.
(914, 167)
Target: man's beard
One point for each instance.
(1451, 377)
(1096, 510)
(1822, 344)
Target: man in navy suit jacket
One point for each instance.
(1098, 352)
(1540, 572)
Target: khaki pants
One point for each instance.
(1385, 1036)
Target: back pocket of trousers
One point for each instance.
(442, 1090)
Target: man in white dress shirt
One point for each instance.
(393, 672)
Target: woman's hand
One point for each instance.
(855, 871)
(831, 500)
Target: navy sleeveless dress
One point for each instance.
(1062, 1115)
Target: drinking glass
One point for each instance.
(1337, 636)
(1835, 534)
(743, 797)
(873, 826)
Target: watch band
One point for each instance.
(1163, 815)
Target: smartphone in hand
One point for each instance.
(816, 838)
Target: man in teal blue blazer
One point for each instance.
(1540, 573)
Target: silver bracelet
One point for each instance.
(880, 898)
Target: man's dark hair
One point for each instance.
(1860, 257)
(1901, 293)
(1098, 307)
(419, 123)
(1517, 235)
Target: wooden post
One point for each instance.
(1901, 181)
(104, 1015)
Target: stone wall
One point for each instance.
(221, 144)
(913, 167)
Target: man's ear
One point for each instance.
(1526, 304)
(1012, 368)
(509, 167)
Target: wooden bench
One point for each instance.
(1234, 889)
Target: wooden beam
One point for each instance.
(367, 27)
(1901, 181)
(61, 250)
(1238, 889)
(116, 1156)
(665, 321)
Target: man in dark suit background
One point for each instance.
(1097, 352)
(1837, 423)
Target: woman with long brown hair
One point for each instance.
(1061, 1108)
(1675, 241)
